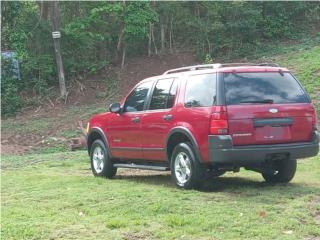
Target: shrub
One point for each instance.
(10, 100)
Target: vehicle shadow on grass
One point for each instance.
(234, 185)
(154, 179)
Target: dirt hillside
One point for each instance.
(51, 125)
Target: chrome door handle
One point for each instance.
(167, 117)
(135, 119)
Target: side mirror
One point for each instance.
(115, 107)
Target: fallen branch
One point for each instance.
(80, 142)
(66, 98)
(52, 104)
(38, 109)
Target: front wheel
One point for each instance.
(186, 171)
(101, 164)
(281, 171)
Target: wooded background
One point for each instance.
(97, 34)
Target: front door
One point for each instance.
(125, 130)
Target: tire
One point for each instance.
(186, 170)
(283, 171)
(101, 164)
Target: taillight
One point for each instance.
(219, 121)
(314, 119)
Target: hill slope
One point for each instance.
(50, 128)
(306, 66)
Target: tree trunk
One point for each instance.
(120, 37)
(209, 46)
(44, 10)
(170, 34)
(149, 41)
(154, 43)
(123, 56)
(120, 42)
(55, 18)
(162, 32)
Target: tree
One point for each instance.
(100, 33)
(55, 19)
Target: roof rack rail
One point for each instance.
(249, 64)
(216, 65)
(192, 68)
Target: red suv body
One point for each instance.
(208, 119)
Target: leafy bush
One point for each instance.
(208, 59)
(95, 34)
(10, 100)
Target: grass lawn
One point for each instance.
(54, 196)
(305, 64)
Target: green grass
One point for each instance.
(54, 196)
(36, 124)
(27, 127)
(270, 49)
(306, 66)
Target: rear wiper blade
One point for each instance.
(258, 101)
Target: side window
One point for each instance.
(160, 94)
(135, 101)
(200, 90)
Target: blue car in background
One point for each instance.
(15, 66)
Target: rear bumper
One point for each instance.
(222, 151)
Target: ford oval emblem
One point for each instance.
(273, 110)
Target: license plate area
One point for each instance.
(271, 134)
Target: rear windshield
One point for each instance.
(273, 87)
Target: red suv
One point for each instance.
(208, 119)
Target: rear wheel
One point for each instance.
(101, 164)
(186, 170)
(281, 171)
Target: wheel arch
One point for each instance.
(94, 134)
(178, 135)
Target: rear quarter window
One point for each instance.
(242, 88)
(201, 90)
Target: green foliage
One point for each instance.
(208, 59)
(282, 20)
(30, 38)
(239, 29)
(10, 100)
(95, 34)
(137, 17)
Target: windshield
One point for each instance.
(259, 88)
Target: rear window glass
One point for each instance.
(160, 94)
(250, 88)
(201, 90)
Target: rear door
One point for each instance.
(267, 108)
(158, 119)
